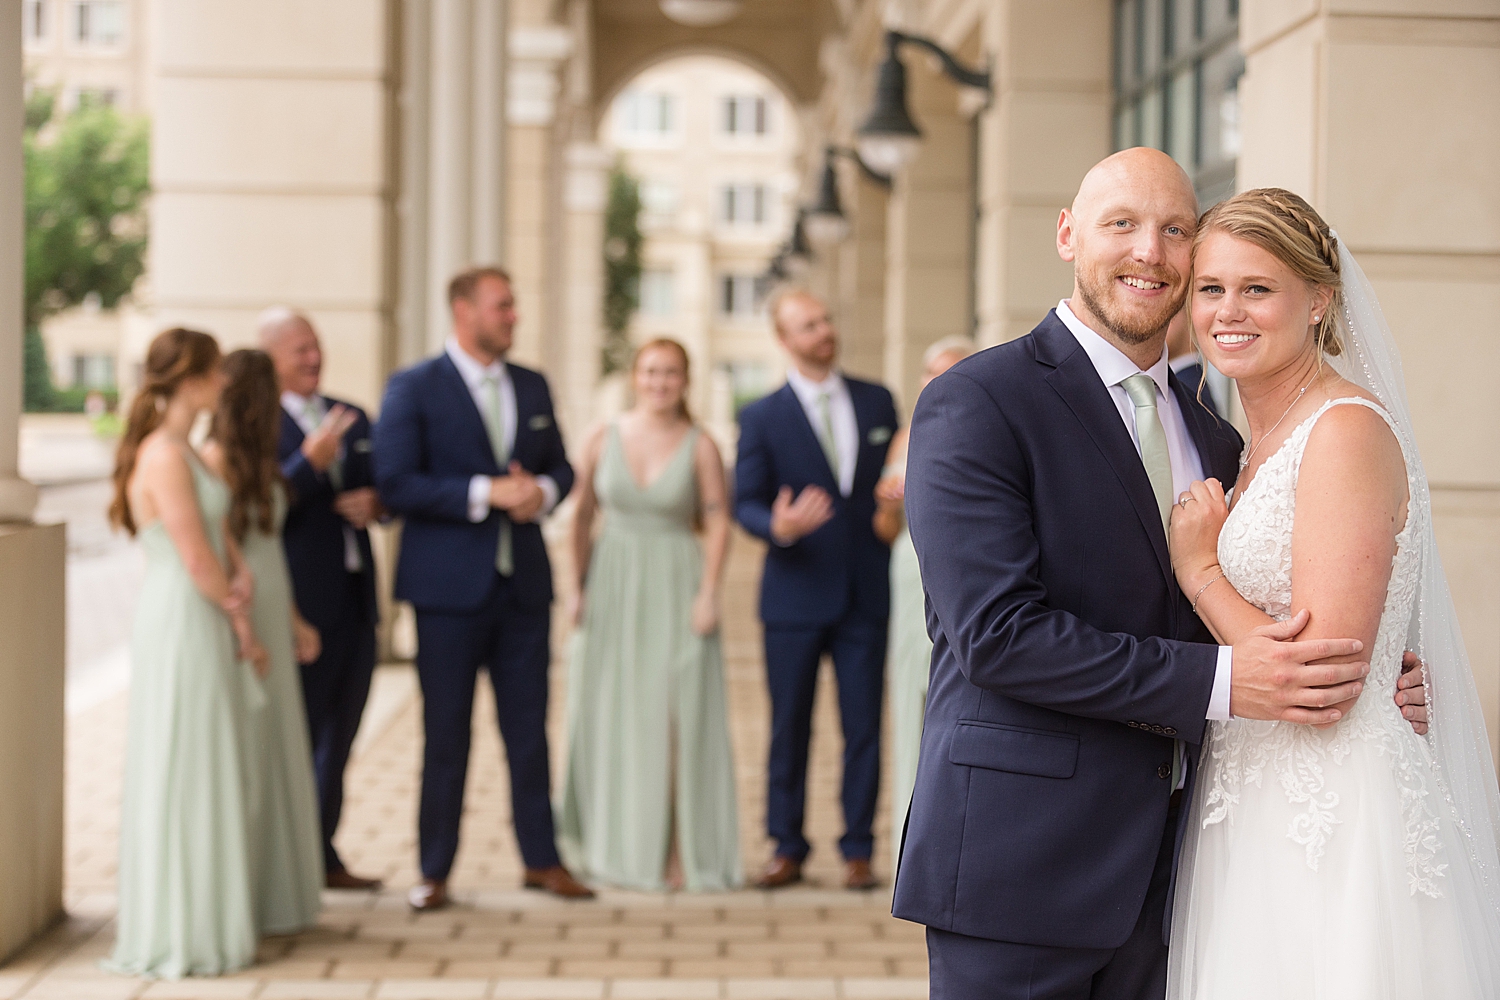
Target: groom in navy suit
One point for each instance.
(809, 457)
(1071, 680)
(324, 450)
(469, 453)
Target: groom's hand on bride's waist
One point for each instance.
(1411, 694)
(1277, 677)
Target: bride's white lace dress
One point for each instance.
(1316, 860)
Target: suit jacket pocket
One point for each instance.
(1012, 748)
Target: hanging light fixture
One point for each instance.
(825, 223)
(700, 13)
(799, 253)
(889, 138)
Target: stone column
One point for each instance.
(862, 276)
(537, 53)
(1382, 114)
(585, 193)
(271, 174)
(1049, 123)
(927, 283)
(32, 601)
(450, 220)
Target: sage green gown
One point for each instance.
(648, 731)
(187, 889)
(289, 856)
(908, 669)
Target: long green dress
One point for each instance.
(289, 858)
(648, 732)
(908, 669)
(187, 895)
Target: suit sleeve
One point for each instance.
(399, 460)
(754, 483)
(555, 463)
(970, 508)
(307, 484)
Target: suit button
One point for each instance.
(1133, 725)
(1164, 771)
(1168, 731)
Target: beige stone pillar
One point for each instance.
(270, 174)
(927, 260)
(585, 193)
(1382, 113)
(1050, 122)
(537, 53)
(861, 299)
(31, 594)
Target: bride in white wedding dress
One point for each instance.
(1357, 860)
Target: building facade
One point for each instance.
(346, 156)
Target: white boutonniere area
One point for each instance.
(540, 422)
(879, 435)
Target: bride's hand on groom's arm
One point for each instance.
(1197, 518)
(1276, 677)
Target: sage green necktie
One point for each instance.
(1158, 462)
(494, 425)
(1153, 438)
(825, 434)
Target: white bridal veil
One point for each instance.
(1465, 770)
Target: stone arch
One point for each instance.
(606, 94)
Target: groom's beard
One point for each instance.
(1141, 326)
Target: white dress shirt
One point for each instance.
(308, 412)
(1187, 466)
(840, 415)
(474, 375)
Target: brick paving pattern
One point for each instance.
(499, 942)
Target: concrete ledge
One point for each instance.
(32, 604)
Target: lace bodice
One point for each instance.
(1255, 551)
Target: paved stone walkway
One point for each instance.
(814, 941)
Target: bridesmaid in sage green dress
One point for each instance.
(186, 875)
(910, 649)
(648, 800)
(242, 450)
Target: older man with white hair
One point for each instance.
(324, 451)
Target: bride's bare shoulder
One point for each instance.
(1352, 450)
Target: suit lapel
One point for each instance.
(464, 406)
(1215, 446)
(864, 423)
(1075, 379)
(291, 430)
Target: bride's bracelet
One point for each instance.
(1217, 577)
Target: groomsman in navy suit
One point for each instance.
(469, 453)
(324, 451)
(809, 457)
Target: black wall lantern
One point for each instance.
(889, 138)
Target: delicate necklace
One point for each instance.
(1256, 447)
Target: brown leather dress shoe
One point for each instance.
(857, 874)
(428, 895)
(558, 881)
(779, 871)
(345, 879)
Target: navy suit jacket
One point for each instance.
(842, 567)
(429, 444)
(1064, 655)
(314, 531)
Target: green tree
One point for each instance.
(87, 177)
(622, 266)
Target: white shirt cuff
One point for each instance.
(479, 498)
(550, 495)
(1218, 702)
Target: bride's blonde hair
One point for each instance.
(1285, 226)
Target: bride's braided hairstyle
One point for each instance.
(1284, 225)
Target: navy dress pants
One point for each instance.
(510, 640)
(970, 968)
(857, 646)
(335, 687)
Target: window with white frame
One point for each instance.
(739, 296)
(35, 22)
(658, 293)
(745, 204)
(98, 23)
(96, 97)
(646, 114)
(94, 371)
(745, 115)
(658, 199)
